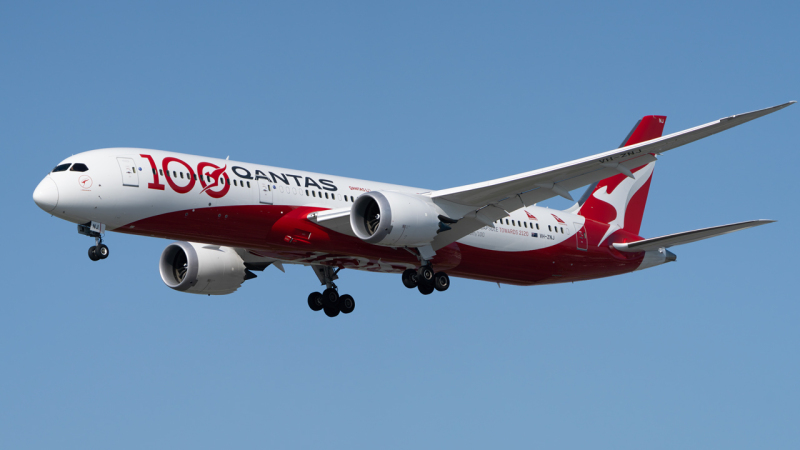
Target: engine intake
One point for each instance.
(202, 269)
(394, 219)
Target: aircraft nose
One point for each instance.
(46, 194)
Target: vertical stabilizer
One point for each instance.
(620, 200)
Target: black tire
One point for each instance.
(92, 255)
(410, 278)
(425, 289)
(331, 310)
(347, 304)
(330, 297)
(102, 251)
(425, 275)
(315, 301)
(441, 281)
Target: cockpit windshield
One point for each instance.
(62, 167)
(79, 167)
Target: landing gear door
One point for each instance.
(264, 192)
(129, 175)
(580, 235)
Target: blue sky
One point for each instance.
(702, 353)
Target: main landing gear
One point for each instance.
(329, 300)
(426, 280)
(93, 229)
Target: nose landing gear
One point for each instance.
(93, 229)
(97, 252)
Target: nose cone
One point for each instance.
(46, 194)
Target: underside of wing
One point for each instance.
(334, 219)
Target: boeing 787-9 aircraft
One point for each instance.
(232, 219)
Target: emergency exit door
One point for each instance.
(129, 175)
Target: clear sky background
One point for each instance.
(702, 353)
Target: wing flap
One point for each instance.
(686, 237)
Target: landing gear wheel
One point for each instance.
(410, 278)
(331, 310)
(315, 301)
(425, 275)
(425, 289)
(441, 281)
(347, 304)
(101, 251)
(330, 297)
(92, 255)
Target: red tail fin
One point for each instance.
(619, 200)
(650, 127)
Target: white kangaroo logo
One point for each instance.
(621, 195)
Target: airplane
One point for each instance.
(231, 219)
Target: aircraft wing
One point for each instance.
(686, 237)
(489, 201)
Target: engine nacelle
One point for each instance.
(201, 268)
(394, 219)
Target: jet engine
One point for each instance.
(394, 219)
(202, 268)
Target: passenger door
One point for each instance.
(580, 235)
(264, 192)
(129, 175)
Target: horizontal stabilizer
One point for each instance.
(686, 237)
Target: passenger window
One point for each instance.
(333, 197)
(313, 194)
(174, 174)
(234, 183)
(506, 221)
(512, 223)
(525, 224)
(62, 167)
(326, 195)
(537, 226)
(306, 192)
(161, 172)
(351, 198)
(79, 167)
(181, 174)
(194, 177)
(154, 171)
(248, 184)
(549, 228)
(562, 230)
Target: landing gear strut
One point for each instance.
(93, 229)
(329, 300)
